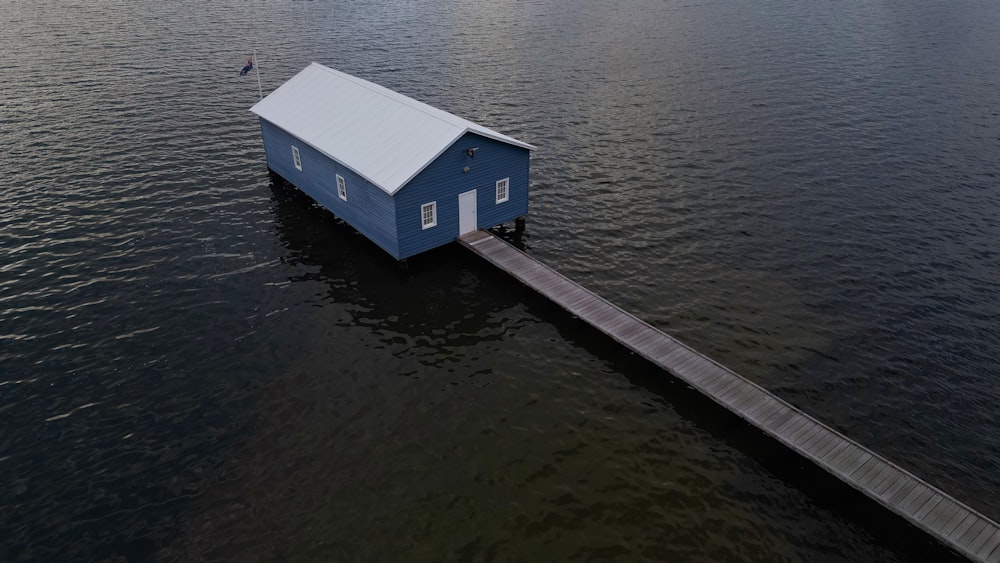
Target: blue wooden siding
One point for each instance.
(368, 208)
(445, 178)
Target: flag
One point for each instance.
(247, 68)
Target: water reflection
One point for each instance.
(441, 299)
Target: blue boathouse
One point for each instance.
(408, 176)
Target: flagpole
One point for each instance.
(257, 68)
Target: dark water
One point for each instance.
(195, 365)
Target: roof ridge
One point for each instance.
(423, 107)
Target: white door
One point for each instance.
(467, 218)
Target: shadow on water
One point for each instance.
(360, 272)
(365, 329)
(796, 471)
(437, 286)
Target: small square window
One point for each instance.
(428, 215)
(296, 158)
(503, 191)
(341, 187)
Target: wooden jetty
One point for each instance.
(947, 519)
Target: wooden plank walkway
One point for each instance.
(952, 522)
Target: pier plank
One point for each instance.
(793, 424)
(932, 501)
(990, 545)
(821, 440)
(875, 478)
(724, 387)
(960, 530)
(945, 518)
(708, 378)
(944, 512)
(747, 402)
(835, 452)
(965, 542)
(864, 473)
(904, 492)
(764, 410)
(924, 493)
(681, 369)
(893, 479)
(916, 489)
(895, 487)
(848, 453)
(713, 380)
(981, 539)
(860, 465)
(858, 460)
(642, 339)
(820, 449)
(671, 355)
(803, 432)
(736, 391)
(771, 424)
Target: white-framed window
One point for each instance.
(503, 190)
(296, 158)
(428, 215)
(341, 187)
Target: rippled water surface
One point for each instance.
(198, 365)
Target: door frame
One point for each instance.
(468, 215)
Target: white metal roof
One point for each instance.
(384, 136)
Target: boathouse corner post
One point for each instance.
(519, 232)
(519, 226)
